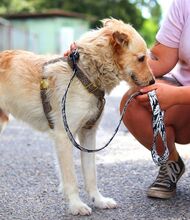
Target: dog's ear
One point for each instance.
(107, 21)
(111, 22)
(120, 38)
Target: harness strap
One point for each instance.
(44, 84)
(82, 77)
(90, 123)
(91, 88)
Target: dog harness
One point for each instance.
(44, 86)
(72, 61)
(157, 113)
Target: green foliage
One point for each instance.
(144, 15)
(14, 6)
(148, 31)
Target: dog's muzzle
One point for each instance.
(140, 83)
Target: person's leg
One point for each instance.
(138, 120)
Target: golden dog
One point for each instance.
(108, 55)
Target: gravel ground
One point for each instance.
(29, 179)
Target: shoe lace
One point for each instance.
(168, 173)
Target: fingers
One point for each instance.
(73, 46)
(66, 54)
(148, 88)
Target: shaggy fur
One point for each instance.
(108, 55)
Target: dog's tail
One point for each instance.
(4, 119)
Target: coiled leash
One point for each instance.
(158, 124)
(158, 128)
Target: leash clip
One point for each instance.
(74, 57)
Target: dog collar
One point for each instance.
(91, 87)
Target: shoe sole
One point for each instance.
(155, 193)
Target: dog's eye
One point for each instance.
(141, 58)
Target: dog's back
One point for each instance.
(20, 74)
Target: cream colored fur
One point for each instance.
(107, 56)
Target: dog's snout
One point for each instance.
(152, 81)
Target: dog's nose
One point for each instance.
(152, 81)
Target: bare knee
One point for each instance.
(135, 119)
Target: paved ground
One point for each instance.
(29, 179)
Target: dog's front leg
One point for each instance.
(65, 157)
(88, 140)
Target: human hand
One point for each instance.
(73, 46)
(166, 95)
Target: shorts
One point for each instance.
(169, 78)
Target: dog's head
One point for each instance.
(119, 53)
(130, 53)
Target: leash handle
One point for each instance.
(74, 56)
(158, 128)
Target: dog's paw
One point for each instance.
(80, 208)
(105, 203)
